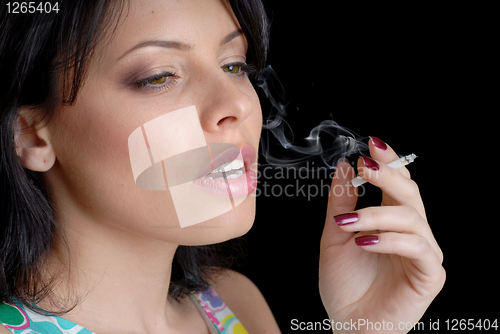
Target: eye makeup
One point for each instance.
(166, 79)
(157, 82)
(239, 69)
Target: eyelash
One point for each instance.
(146, 83)
(246, 69)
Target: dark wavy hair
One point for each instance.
(43, 62)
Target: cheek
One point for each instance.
(258, 120)
(91, 144)
(93, 173)
(254, 121)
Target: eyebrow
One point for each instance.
(177, 44)
(231, 36)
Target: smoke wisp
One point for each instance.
(328, 140)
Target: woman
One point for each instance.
(82, 239)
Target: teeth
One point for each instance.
(233, 168)
(235, 164)
(235, 175)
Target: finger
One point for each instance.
(402, 190)
(385, 218)
(411, 246)
(403, 219)
(382, 152)
(343, 198)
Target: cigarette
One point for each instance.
(398, 163)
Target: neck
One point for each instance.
(119, 277)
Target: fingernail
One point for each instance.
(370, 163)
(341, 160)
(378, 143)
(346, 218)
(366, 240)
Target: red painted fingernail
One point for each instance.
(346, 218)
(366, 240)
(378, 143)
(370, 163)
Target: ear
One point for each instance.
(32, 143)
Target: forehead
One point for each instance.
(192, 22)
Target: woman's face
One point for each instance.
(163, 56)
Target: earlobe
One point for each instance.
(33, 146)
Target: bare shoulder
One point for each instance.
(246, 301)
(4, 330)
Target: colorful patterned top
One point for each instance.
(217, 312)
(21, 320)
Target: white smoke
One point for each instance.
(345, 143)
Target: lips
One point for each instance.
(170, 152)
(229, 171)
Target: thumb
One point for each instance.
(343, 198)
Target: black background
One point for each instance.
(421, 78)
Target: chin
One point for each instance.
(229, 225)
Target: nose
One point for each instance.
(226, 101)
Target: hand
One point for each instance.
(396, 274)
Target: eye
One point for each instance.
(155, 80)
(158, 80)
(233, 69)
(238, 69)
